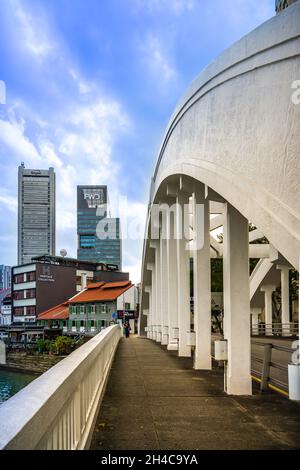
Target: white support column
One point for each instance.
(152, 300)
(268, 290)
(285, 299)
(255, 311)
(237, 302)
(158, 293)
(148, 290)
(202, 284)
(153, 306)
(164, 291)
(172, 282)
(183, 276)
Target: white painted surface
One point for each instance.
(202, 291)
(25, 285)
(183, 276)
(61, 404)
(24, 269)
(237, 131)
(237, 302)
(172, 287)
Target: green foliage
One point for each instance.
(217, 275)
(62, 345)
(43, 345)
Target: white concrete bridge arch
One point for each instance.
(233, 143)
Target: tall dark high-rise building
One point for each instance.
(36, 213)
(98, 235)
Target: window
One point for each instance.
(127, 306)
(82, 309)
(92, 323)
(19, 311)
(18, 278)
(98, 308)
(30, 294)
(30, 276)
(30, 311)
(18, 295)
(87, 241)
(103, 308)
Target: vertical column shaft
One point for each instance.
(158, 293)
(285, 299)
(254, 320)
(237, 302)
(164, 290)
(183, 276)
(172, 281)
(268, 290)
(202, 283)
(153, 305)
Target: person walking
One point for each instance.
(127, 329)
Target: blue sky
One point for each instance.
(91, 85)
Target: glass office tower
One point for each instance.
(98, 235)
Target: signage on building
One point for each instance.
(129, 314)
(46, 274)
(91, 196)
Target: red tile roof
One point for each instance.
(95, 285)
(59, 312)
(101, 292)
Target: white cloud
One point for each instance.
(176, 7)
(48, 154)
(12, 136)
(155, 56)
(134, 271)
(83, 86)
(8, 202)
(32, 31)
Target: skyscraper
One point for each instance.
(36, 213)
(5, 277)
(98, 235)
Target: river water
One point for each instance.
(12, 382)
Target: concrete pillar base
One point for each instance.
(294, 381)
(240, 386)
(202, 364)
(172, 347)
(184, 351)
(165, 339)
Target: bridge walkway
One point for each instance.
(155, 400)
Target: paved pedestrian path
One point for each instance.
(155, 400)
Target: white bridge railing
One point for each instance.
(58, 409)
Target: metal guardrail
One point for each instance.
(275, 329)
(265, 374)
(57, 411)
